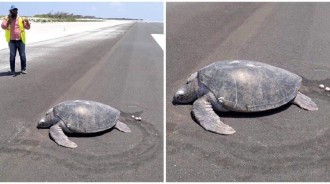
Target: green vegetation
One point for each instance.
(63, 17)
(68, 17)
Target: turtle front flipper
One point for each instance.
(122, 127)
(208, 119)
(305, 102)
(60, 138)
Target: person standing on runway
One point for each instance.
(14, 27)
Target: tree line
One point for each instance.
(63, 16)
(69, 17)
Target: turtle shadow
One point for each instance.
(254, 114)
(78, 135)
(231, 114)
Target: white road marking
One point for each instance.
(4, 68)
(160, 39)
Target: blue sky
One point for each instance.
(148, 11)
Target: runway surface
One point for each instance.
(286, 144)
(121, 66)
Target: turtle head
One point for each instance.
(47, 121)
(44, 124)
(188, 92)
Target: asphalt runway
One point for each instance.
(121, 66)
(286, 144)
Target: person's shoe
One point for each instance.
(13, 73)
(23, 71)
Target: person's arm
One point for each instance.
(6, 22)
(26, 24)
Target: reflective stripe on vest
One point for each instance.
(21, 28)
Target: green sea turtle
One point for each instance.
(80, 116)
(240, 86)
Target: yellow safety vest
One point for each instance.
(21, 28)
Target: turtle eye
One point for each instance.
(183, 97)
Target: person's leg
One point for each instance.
(21, 51)
(13, 50)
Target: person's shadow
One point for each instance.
(5, 74)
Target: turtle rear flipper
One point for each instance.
(122, 127)
(60, 138)
(305, 102)
(208, 119)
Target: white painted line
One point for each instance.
(3, 68)
(160, 39)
